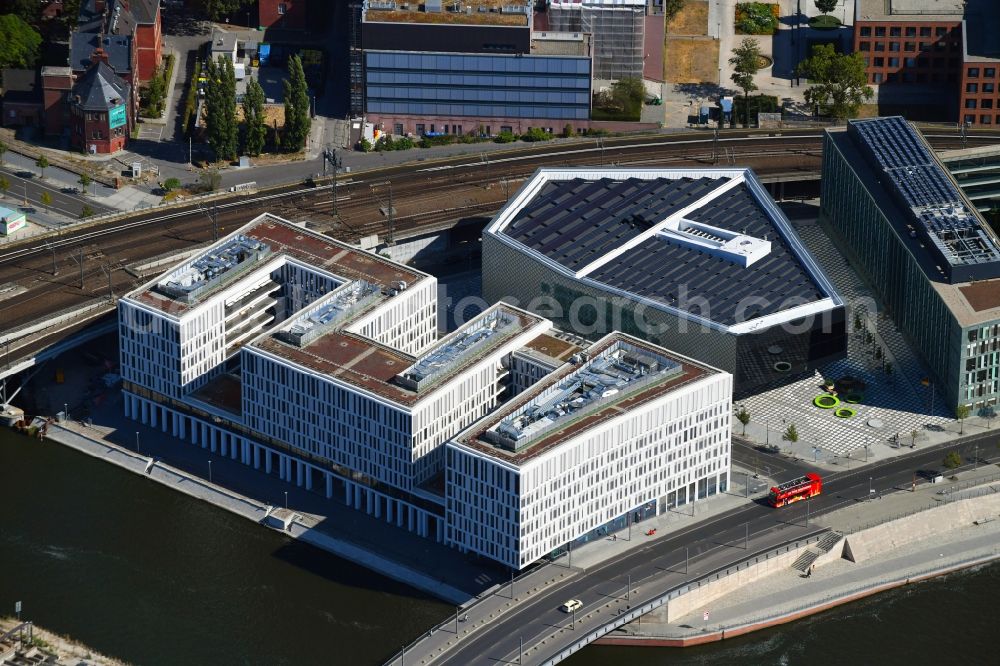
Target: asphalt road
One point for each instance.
(27, 185)
(713, 544)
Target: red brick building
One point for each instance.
(137, 21)
(945, 47)
(282, 14)
(101, 115)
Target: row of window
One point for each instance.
(987, 88)
(984, 119)
(973, 103)
(912, 77)
(461, 63)
(495, 95)
(897, 31)
(912, 47)
(478, 110)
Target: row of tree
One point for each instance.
(839, 84)
(222, 127)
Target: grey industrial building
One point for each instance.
(932, 258)
(700, 261)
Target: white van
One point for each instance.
(571, 605)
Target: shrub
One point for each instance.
(567, 131)
(756, 18)
(86, 212)
(171, 184)
(365, 145)
(535, 134)
(439, 140)
(505, 137)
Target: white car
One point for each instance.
(571, 605)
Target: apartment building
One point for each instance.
(945, 45)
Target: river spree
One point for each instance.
(149, 575)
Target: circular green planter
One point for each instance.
(844, 413)
(824, 22)
(854, 398)
(826, 401)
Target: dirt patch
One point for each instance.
(692, 20)
(691, 60)
(272, 113)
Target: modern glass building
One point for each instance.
(897, 212)
(481, 86)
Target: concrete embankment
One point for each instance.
(32, 644)
(954, 535)
(300, 526)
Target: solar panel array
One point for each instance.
(712, 286)
(922, 185)
(575, 221)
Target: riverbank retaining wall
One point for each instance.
(875, 541)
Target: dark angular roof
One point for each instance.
(98, 87)
(21, 85)
(82, 45)
(673, 274)
(129, 14)
(575, 221)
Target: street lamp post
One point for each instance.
(137, 442)
(66, 411)
(686, 560)
(210, 471)
(286, 500)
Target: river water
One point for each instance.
(143, 573)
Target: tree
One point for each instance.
(568, 131)
(746, 64)
(839, 82)
(743, 416)
(217, 9)
(220, 108)
(671, 8)
(253, 116)
(297, 121)
(791, 434)
(210, 179)
(19, 42)
(4, 185)
(3, 149)
(826, 6)
(989, 413)
(86, 212)
(952, 460)
(85, 181)
(46, 200)
(42, 163)
(171, 184)
(961, 413)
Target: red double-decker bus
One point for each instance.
(801, 488)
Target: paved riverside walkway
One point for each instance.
(433, 568)
(788, 594)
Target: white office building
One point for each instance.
(309, 358)
(624, 431)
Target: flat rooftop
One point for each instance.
(460, 12)
(971, 302)
(281, 238)
(397, 376)
(910, 10)
(222, 392)
(620, 373)
(959, 241)
(709, 242)
(560, 44)
(552, 347)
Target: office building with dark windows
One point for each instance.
(700, 261)
(472, 67)
(899, 214)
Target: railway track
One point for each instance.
(424, 195)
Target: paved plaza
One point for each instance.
(891, 403)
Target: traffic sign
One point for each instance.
(704, 616)
(17, 606)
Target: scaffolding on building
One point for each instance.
(616, 27)
(356, 64)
